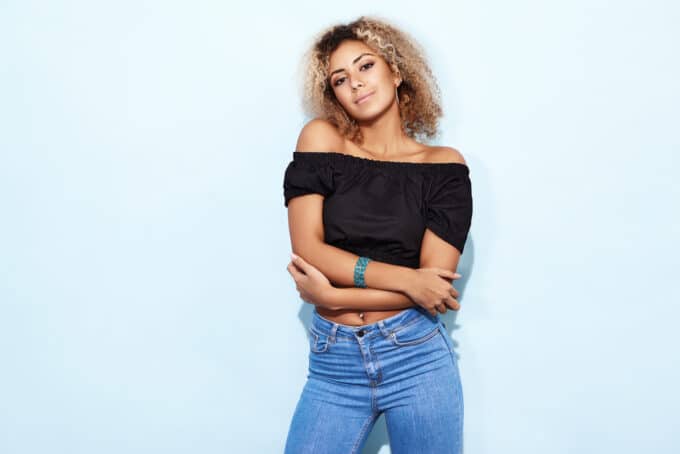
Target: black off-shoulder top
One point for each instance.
(380, 209)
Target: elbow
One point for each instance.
(308, 250)
(445, 263)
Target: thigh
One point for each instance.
(330, 418)
(429, 418)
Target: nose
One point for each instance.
(356, 84)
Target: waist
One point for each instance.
(402, 318)
(353, 317)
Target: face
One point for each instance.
(355, 71)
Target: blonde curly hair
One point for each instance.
(419, 95)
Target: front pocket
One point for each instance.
(318, 342)
(414, 334)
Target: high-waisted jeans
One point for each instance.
(403, 366)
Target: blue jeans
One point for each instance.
(403, 366)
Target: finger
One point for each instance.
(453, 303)
(298, 261)
(291, 270)
(298, 267)
(441, 308)
(294, 271)
(454, 292)
(448, 273)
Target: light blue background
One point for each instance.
(145, 305)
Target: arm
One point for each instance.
(367, 299)
(306, 229)
(434, 252)
(306, 233)
(424, 287)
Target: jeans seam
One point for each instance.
(459, 390)
(461, 410)
(401, 327)
(446, 342)
(361, 433)
(420, 340)
(315, 341)
(326, 333)
(378, 377)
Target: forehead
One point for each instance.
(347, 51)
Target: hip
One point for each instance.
(405, 345)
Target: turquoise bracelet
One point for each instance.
(359, 269)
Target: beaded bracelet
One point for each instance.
(359, 269)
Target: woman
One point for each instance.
(377, 223)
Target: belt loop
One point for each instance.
(334, 329)
(383, 330)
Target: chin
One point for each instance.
(370, 112)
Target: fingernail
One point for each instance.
(293, 256)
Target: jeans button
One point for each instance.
(360, 333)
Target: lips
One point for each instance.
(363, 97)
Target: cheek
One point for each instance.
(344, 97)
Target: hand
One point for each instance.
(313, 286)
(431, 288)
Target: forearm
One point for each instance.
(338, 266)
(366, 299)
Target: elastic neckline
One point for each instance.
(333, 155)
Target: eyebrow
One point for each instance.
(353, 62)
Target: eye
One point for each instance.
(339, 80)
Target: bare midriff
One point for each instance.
(354, 317)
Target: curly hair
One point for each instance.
(419, 95)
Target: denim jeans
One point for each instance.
(403, 366)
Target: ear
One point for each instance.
(397, 76)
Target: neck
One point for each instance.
(383, 136)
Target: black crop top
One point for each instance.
(380, 209)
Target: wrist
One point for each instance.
(385, 276)
(330, 299)
(405, 279)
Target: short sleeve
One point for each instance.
(307, 174)
(448, 205)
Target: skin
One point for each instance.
(355, 70)
(378, 116)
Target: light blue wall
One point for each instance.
(145, 305)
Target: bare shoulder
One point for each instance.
(319, 135)
(446, 154)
